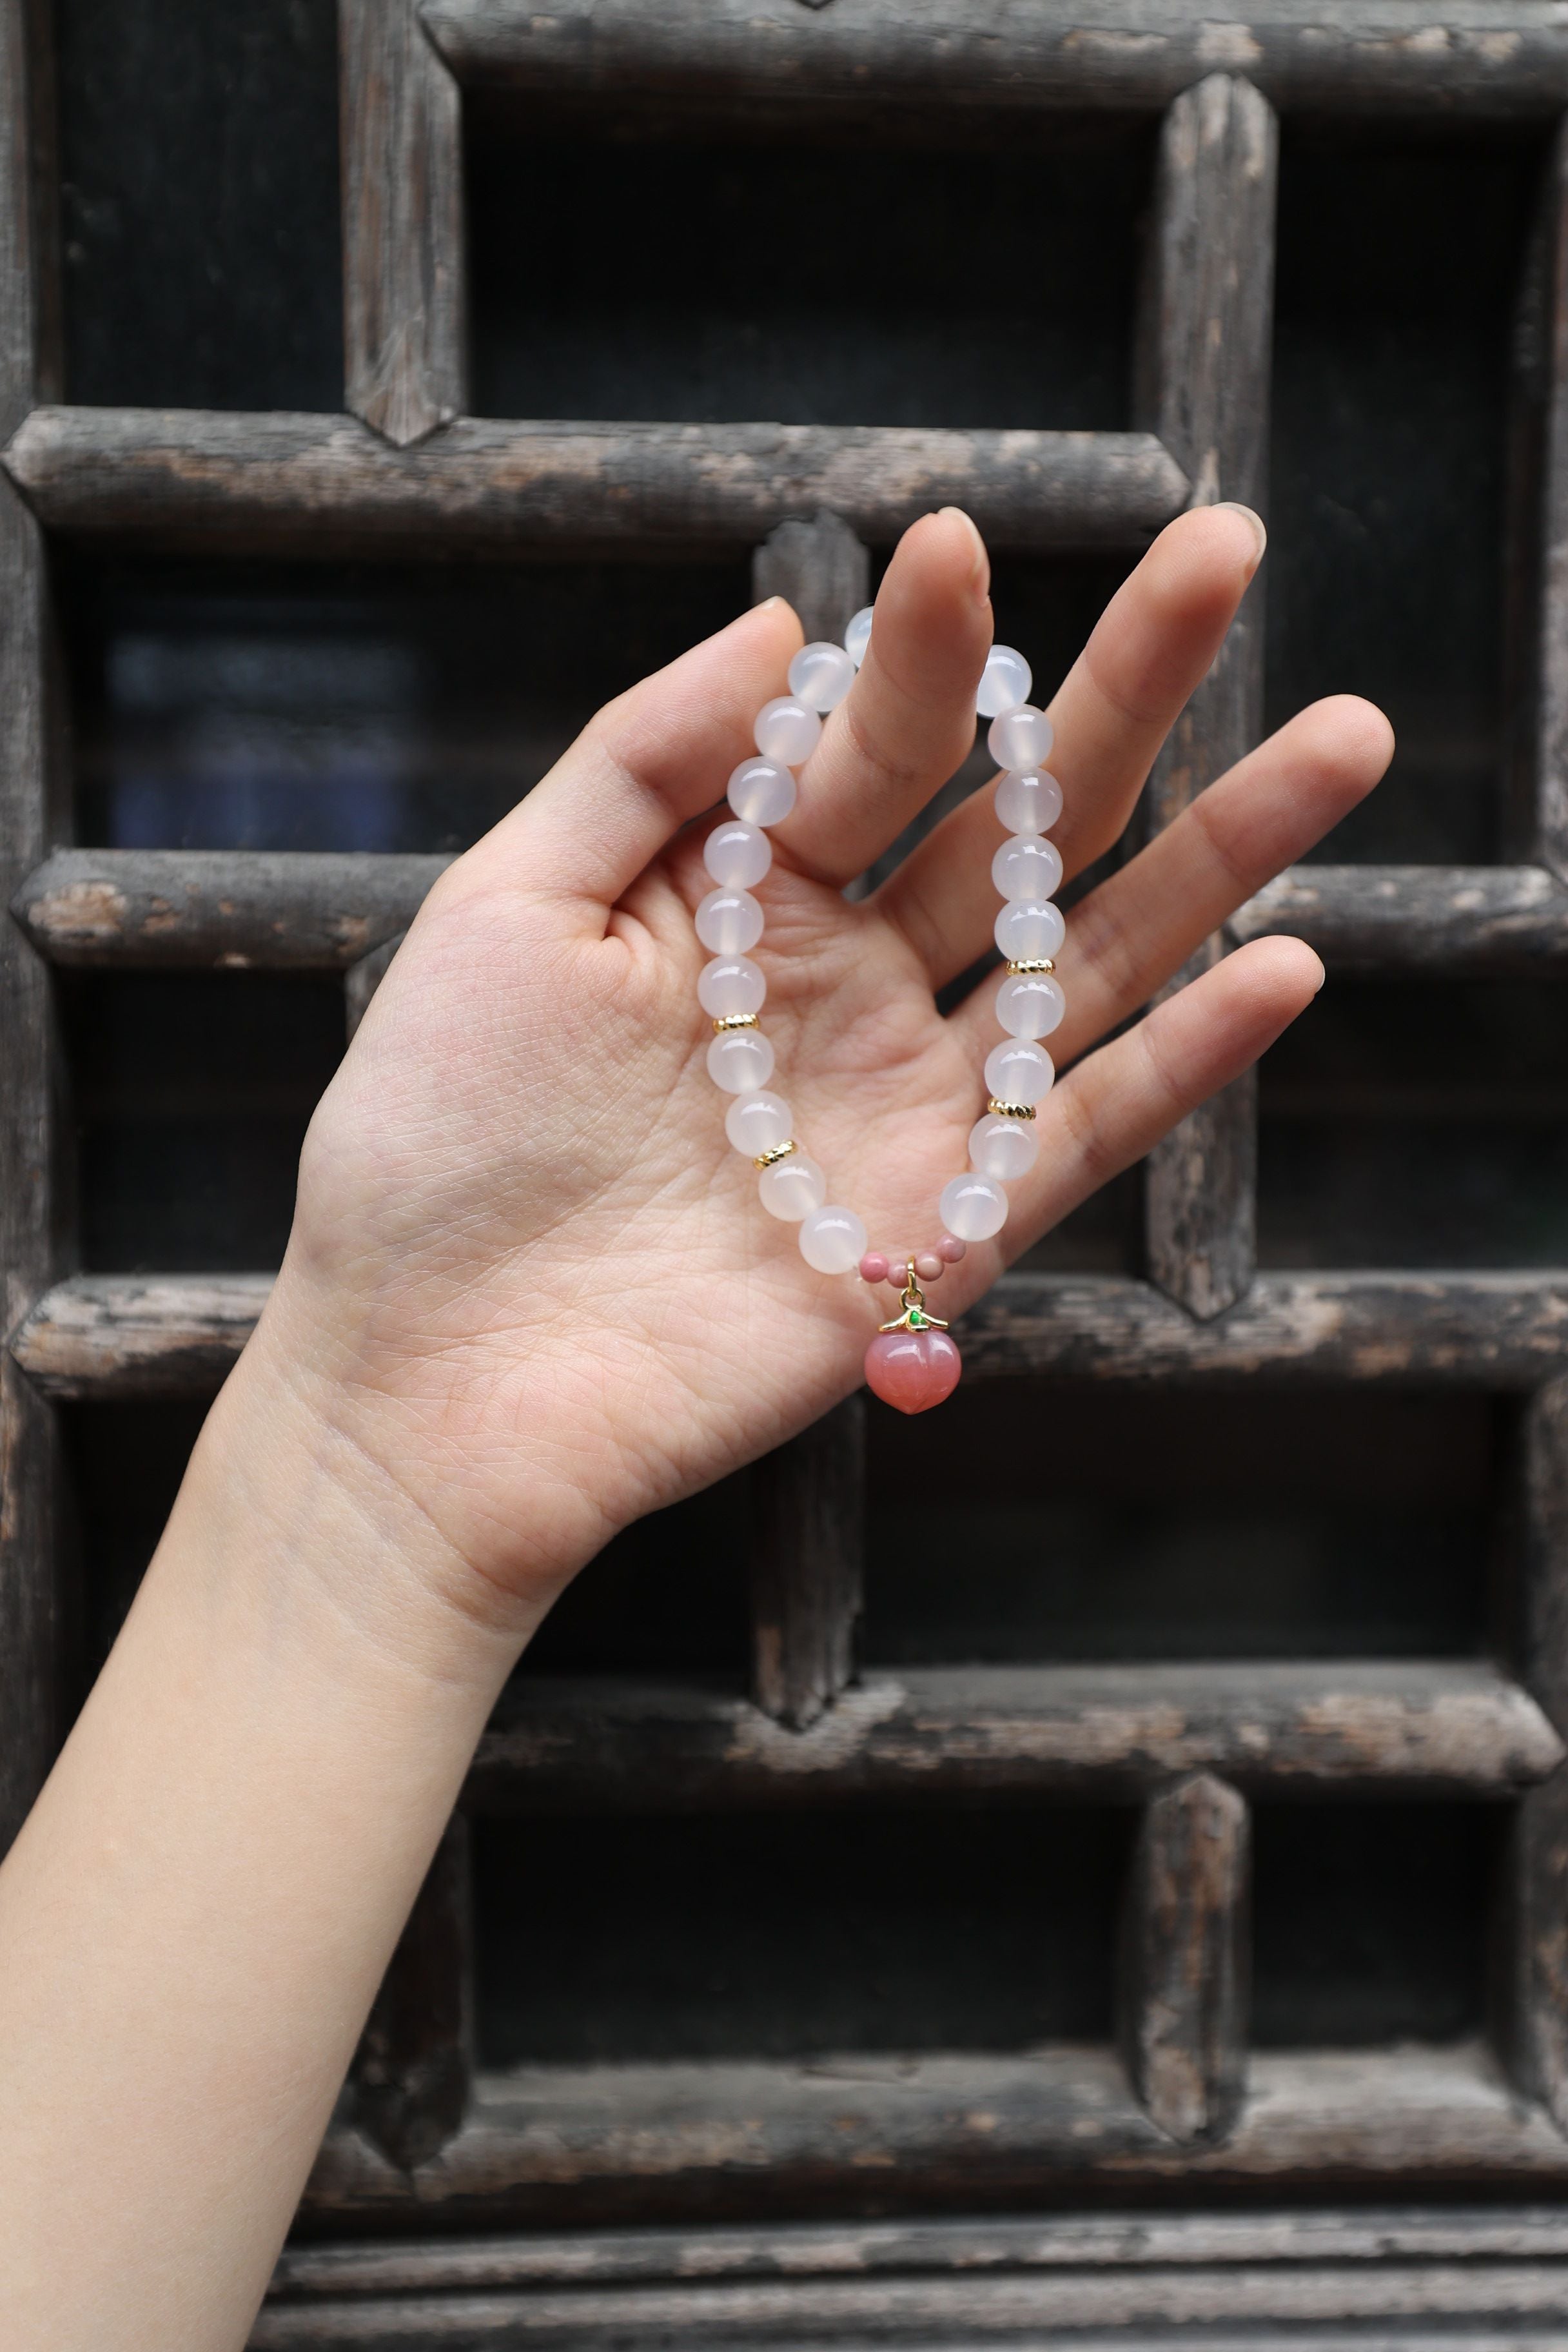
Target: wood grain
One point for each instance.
(808, 1545)
(132, 1335)
(327, 485)
(1535, 2018)
(1105, 1733)
(404, 290)
(1548, 671)
(409, 2083)
(1495, 920)
(1183, 1994)
(1204, 352)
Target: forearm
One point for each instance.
(194, 1920)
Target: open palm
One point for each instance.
(529, 1279)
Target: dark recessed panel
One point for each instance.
(124, 1463)
(1370, 1923)
(199, 203)
(1072, 1522)
(667, 1597)
(1399, 268)
(732, 276)
(1412, 1123)
(790, 1935)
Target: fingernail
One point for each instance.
(980, 570)
(767, 604)
(1234, 506)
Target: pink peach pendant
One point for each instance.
(911, 1364)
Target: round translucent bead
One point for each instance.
(1027, 804)
(763, 793)
(1005, 682)
(1028, 1004)
(1017, 1070)
(1002, 1148)
(1027, 928)
(787, 730)
(729, 922)
(737, 854)
(1019, 739)
(731, 984)
(857, 635)
(740, 1060)
(822, 674)
(791, 1188)
(833, 1241)
(974, 1207)
(1027, 868)
(758, 1122)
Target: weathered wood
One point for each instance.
(1495, 920)
(819, 567)
(229, 909)
(1485, 56)
(1183, 1959)
(1535, 2021)
(622, 2143)
(1204, 359)
(32, 1616)
(1551, 663)
(327, 485)
(411, 2076)
(1110, 1732)
(405, 294)
(99, 1335)
(808, 1510)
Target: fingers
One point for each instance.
(1113, 1108)
(1151, 646)
(651, 761)
(907, 722)
(1126, 938)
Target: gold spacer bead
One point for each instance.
(733, 1020)
(1032, 963)
(771, 1158)
(1009, 1110)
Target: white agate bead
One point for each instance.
(1029, 1005)
(1002, 1148)
(729, 922)
(1005, 682)
(857, 635)
(833, 1240)
(821, 674)
(763, 793)
(973, 1207)
(740, 1060)
(791, 1189)
(1017, 1071)
(787, 730)
(760, 1122)
(1027, 868)
(728, 986)
(737, 854)
(1027, 804)
(1028, 927)
(1020, 738)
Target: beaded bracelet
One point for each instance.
(912, 1363)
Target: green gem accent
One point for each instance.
(917, 1322)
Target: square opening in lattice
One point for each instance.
(616, 1940)
(1125, 1524)
(669, 1597)
(1400, 269)
(720, 272)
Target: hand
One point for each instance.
(530, 1283)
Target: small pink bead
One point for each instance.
(928, 1266)
(950, 1248)
(873, 1267)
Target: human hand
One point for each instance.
(530, 1283)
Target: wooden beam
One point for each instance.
(1110, 1732)
(1535, 1991)
(405, 293)
(809, 1513)
(1548, 671)
(667, 2141)
(127, 1335)
(1487, 56)
(220, 909)
(411, 2076)
(1493, 919)
(1184, 1959)
(1204, 359)
(325, 486)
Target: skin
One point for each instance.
(530, 1295)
